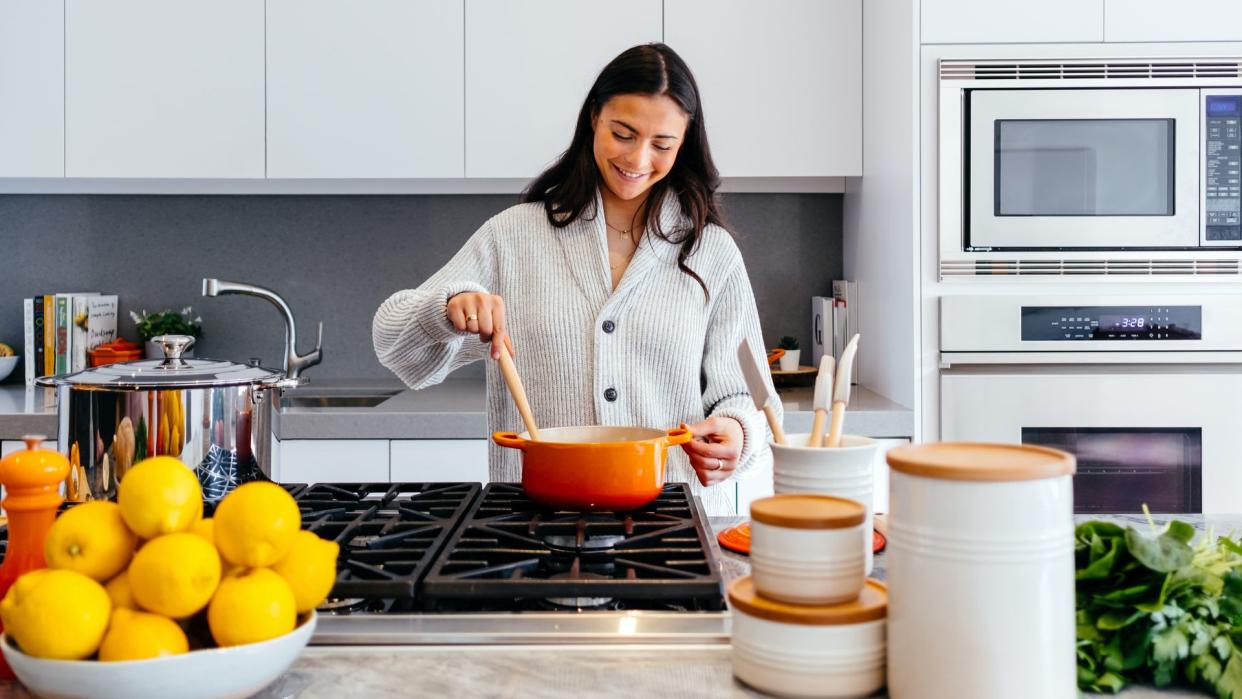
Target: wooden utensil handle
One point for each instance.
(817, 430)
(777, 433)
(509, 371)
(838, 420)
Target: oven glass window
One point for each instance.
(1120, 469)
(1084, 167)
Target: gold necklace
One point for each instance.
(625, 235)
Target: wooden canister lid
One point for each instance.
(871, 604)
(965, 461)
(808, 511)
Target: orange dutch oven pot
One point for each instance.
(594, 467)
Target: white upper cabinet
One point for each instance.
(781, 82)
(360, 90)
(1013, 21)
(1162, 20)
(529, 66)
(164, 88)
(32, 79)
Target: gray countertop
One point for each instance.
(568, 672)
(456, 409)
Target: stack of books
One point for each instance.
(62, 328)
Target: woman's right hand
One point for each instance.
(482, 314)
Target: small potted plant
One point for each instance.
(166, 322)
(790, 360)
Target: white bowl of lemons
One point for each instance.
(7, 363)
(211, 673)
(144, 598)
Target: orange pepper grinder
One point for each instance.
(31, 480)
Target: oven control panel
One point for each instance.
(1222, 167)
(1094, 323)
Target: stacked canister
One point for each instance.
(980, 572)
(807, 621)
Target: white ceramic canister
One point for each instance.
(847, 471)
(809, 651)
(980, 569)
(804, 548)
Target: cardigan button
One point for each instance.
(610, 395)
(609, 326)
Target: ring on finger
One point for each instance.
(719, 464)
(472, 316)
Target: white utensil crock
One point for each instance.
(846, 471)
(980, 568)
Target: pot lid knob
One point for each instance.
(173, 346)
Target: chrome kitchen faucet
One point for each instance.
(294, 363)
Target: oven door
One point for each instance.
(1164, 437)
(1089, 169)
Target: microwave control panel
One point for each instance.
(1222, 167)
(1093, 323)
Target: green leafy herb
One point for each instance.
(1153, 608)
(167, 322)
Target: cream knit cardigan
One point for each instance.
(671, 356)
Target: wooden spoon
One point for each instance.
(823, 400)
(841, 391)
(510, 373)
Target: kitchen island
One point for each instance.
(572, 672)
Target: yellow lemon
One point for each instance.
(158, 496)
(251, 605)
(134, 635)
(309, 568)
(118, 590)
(175, 574)
(91, 539)
(56, 614)
(205, 528)
(255, 524)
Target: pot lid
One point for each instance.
(808, 511)
(870, 605)
(967, 461)
(171, 372)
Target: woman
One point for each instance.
(616, 282)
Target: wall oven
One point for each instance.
(1145, 391)
(1092, 167)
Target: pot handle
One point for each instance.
(508, 439)
(678, 435)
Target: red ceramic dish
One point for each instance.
(737, 539)
(594, 468)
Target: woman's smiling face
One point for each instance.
(636, 142)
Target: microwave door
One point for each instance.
(1086, 169)
(1163, 437)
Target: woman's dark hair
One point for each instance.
(567, 188)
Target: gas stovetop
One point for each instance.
(460, 563)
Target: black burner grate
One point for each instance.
(389, 533)
(510, 548)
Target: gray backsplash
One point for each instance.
(334, 258)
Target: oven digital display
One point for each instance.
(1121, 323)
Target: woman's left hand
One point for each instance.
(714, 450)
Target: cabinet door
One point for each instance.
(438, 460)
(1011, 21)
(781, 82)
(1160, 20)
(363, 90)
(164, 88)
(32, 88)
(529, 66)
(333, 461)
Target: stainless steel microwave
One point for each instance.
(1128, 163)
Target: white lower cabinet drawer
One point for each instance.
(331, 461)
(438, 460)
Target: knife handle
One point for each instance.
(778, 435)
